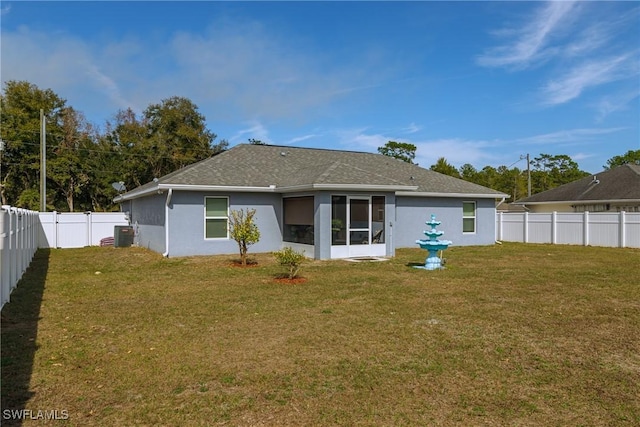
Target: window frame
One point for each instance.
(310, 228)
(474, 217)
(226, 218)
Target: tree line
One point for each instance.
(545, 171)
(83, 161)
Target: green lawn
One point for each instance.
(509, 335)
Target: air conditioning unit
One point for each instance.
(123, 236)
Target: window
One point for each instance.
(338, 220)
(216, 217)
(468, 217)
(298, 220)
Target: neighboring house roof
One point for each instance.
(618, 184)
(281, 169)
(509, 207)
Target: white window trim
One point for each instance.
(475, 217)
(204, 231)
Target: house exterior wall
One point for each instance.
(186, 223)
(551, 207)
(405, 219)
(322, 220)
(413, 212)
(147, 217)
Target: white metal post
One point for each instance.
(4, 264)
(623, 232)
(585, 228)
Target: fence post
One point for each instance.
(585, 228)
(12, 248)
(4, 265)
(623, 232)
(20, 244)
(525, 225)
(499, 226)
(554, 219)
(54, 218)
(89, 227)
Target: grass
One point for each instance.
(512, 334)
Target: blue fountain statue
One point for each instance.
(433, 245)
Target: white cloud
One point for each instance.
(109, 87)
(300, 139)
(256, 130)
(233, 70)
(616, 102)
(261, 75)
(412, 128)
(586, 75)
(567, 136)
(532, 42)
(457, 151)
(357, 139)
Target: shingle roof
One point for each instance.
(620, 183)
(262, 166)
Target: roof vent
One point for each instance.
(283, 153)
(595, 180)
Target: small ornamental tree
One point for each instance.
(291, 259)
(243, 230)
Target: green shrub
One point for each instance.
(290, 259)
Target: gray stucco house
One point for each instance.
(329, 203)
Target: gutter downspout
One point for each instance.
(166, 223)
(501, 202)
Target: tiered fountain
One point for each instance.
(433, 245)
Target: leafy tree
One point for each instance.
(243, 230)
(254, 141)
(105, 165)
(399, 150)
(126, 138)
(168, 136)
(631, 156)
(176, 135)
(468, 172)
(20, 104)
(511, 181)
(444, 167)
(552, 171)
(67, 168)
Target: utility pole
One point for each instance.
(528, 173)
(1, 190)
(43, 162)
(528, 176)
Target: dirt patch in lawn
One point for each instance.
(285, 280)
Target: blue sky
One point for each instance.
(474, 82)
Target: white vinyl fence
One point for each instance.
(78, 229)
(23, 231)
(19, 232)
(614, 229)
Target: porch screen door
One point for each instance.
(359, 226)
